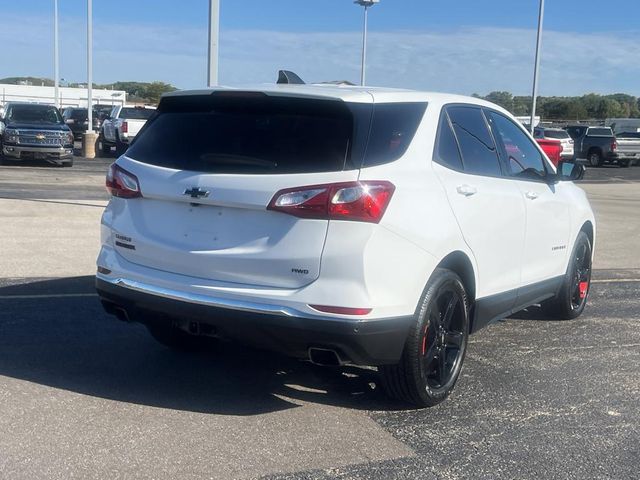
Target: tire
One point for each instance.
(120, 146)
(570, 301)
(105, 148)
(435, 347)
(624, 163)
(174, 338)
(594, 158)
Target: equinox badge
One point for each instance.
(195, 192)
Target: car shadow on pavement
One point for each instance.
(54, 332)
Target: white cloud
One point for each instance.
(464, 60)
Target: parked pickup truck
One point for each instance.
(34, 131)
(595, 144)
(121, 126)
(628, 148)
(553, 149)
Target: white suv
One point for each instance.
(341, 225)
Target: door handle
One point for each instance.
(466, 190)
(531, 195)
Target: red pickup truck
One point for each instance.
(553, 149)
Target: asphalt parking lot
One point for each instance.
(85, 396)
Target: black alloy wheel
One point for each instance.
(581, 275)
(442, 339)
(435, 347)
(572, 297)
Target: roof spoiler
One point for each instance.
(288, 77)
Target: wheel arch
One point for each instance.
(461, 264)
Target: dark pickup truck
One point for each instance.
(595, 144)
(34, 131)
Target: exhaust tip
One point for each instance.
(325, 357)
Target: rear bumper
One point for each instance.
(26, 151)
(357, 341)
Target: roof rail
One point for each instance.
(288, 77)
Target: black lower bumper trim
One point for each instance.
(365, 342)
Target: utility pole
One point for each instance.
(214, 32)
(537, 65)
(90, 65)
(56, 58)
(363, 64)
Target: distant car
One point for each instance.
(341, 225)
(77, 119)
(122, 125)
(628, 148)
(557, 134)
(34, 131)
(595, 144)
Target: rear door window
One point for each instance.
(250, 134)
(479, 153)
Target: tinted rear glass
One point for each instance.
(558, 134)
(80, 114)
(392, 129)
(628, 135)
(136, 113)
(600, 132)
(255, 134)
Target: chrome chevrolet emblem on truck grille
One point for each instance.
(195, 192)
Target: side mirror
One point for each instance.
(570, 171)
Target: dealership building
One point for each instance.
(67, 96)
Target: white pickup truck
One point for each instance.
(122, 125)
(628, 148)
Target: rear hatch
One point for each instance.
(208, 166)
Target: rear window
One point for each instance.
(600, 132)
(252, 133)
(628, 135)
(78, 114)
(557, 134)
(392, 129)
(136, 113)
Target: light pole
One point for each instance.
(214, 31)
(366, 4)
(56, 65)
(537, 64)
(89, 66)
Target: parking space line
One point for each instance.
(47, 295)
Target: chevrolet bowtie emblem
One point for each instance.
(40, 136)
(195, 192)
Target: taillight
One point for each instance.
(364, 201)
(124, 127)
(121, 183)
(614, 145)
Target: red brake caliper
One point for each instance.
(424, 340)
(583, 289)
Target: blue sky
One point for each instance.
(462, 46)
